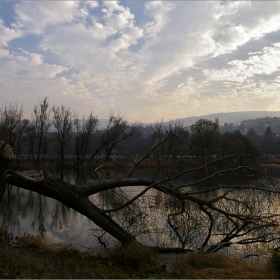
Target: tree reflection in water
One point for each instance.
(23, 211)
(156, 218)
(165, 221)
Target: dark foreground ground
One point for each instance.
(31, 258)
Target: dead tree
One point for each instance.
(206, 207)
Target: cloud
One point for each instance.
(206, 31)
(177, 58)
(32, 65)
(159, 11)
(34, 17)
(27, 78)
(240, 22)
(7, 34)
(264, 62)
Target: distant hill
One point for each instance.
(233, 117)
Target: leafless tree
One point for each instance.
(10, 118)
(83, 132)
(205, 135)
(20, 130)
(63, 120)
(118, 129)
(173, 148)
(160, 131)
(31, 139)
(42, 122)
(208, 207)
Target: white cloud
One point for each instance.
(27, 65)
(265, 62)
(159, 11)
(7, 34)
(27, 78)
(149, 63)
(34, 16)
(240, 22)
(91, 4)
(127, 39)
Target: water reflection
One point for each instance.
(28, 212)
(155, 218)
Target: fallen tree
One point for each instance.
(207, 207)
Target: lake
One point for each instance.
(24, 212)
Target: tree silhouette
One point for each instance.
(268, 132)
(208, 206)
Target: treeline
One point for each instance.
(263, 132)
(259, 125)
(54, 133)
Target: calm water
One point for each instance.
(23, 212)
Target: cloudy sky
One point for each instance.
(145, 60)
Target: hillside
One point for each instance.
(233, 117)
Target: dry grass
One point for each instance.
(34, 258)
(220, 266)
(134, 256)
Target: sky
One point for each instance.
(145, 60)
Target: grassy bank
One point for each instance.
(33, 258)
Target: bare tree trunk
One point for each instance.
(21, 128)
(82, 132)
(117, 130)
(75, 197)
(63, 120)
(3, 181)
(6, 154)
(237, 213)
(42, 122)
(10, 119)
